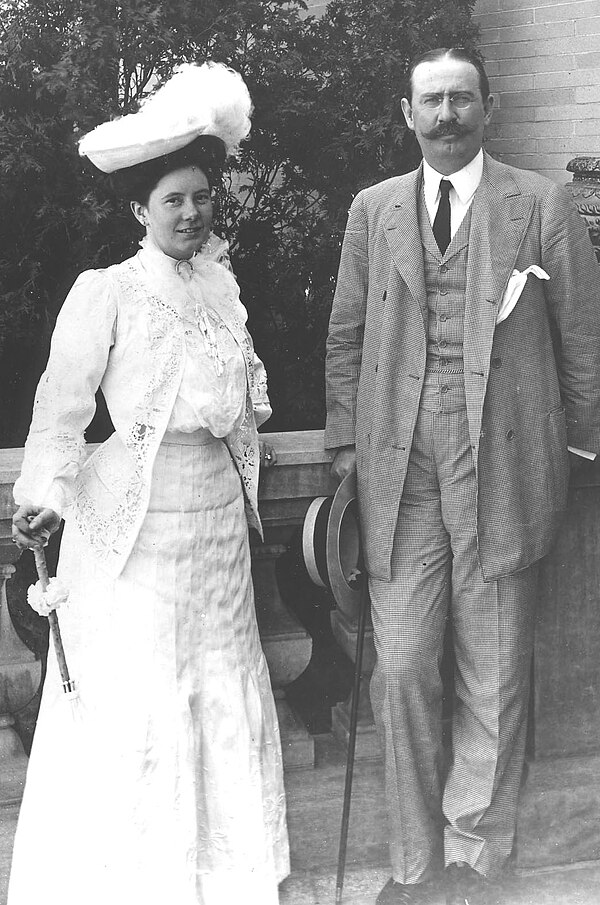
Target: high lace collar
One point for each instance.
(210, 251)
(203, 283)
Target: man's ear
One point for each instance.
(407, 110)
(488, 106)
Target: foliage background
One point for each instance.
(327, 122)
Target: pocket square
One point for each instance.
(515, 287)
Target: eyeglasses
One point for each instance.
(460, 101)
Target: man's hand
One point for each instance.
(344, 462)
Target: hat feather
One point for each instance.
(211, 99)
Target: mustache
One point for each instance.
(447, 129)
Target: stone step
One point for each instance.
(315, 800)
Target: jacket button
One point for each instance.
(497, 362)
(385, 295)
(510, 434)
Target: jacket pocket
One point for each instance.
(558, 456)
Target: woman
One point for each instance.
(164, 783)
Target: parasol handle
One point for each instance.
(42, 570)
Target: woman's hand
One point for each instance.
(33, 525)
(268, 456)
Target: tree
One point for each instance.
(327, 122)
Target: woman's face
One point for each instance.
(178, 215)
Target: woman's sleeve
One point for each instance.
(65, 398)
(260, 398)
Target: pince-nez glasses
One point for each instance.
(459, 100)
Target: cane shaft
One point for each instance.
(42, 570)
(360, 643)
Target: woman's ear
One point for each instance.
(140, 212)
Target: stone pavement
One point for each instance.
(576, 885)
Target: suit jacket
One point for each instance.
(532, 382)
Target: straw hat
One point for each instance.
(331, 545)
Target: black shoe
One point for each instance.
(405, 893)
(464, 886)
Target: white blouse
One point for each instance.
(212, 392)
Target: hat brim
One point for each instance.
(331, 545)
(111, 159)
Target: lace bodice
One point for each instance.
(213, 384)
(137, 330)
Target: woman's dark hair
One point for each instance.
(450, 53)
(207, 152)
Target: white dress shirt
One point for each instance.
(464, 185)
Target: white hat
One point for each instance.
(331, 545)
(211, 99)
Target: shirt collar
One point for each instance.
(464, 182)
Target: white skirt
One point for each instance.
(163, 782)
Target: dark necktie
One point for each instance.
(441, 224)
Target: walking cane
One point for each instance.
(42, 570)
(360, 643)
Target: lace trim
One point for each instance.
(113, 534)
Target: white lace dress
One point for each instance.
(163, 782)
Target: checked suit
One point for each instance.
(462, 485)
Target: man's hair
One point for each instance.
(449, 53)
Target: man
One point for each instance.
(455, 397)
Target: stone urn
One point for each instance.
(585, 189)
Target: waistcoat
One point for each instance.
(445, 284)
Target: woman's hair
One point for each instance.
(451, 53)
(207, 152)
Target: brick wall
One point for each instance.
(543, 60)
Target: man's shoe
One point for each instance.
(464, 886)
(405, 893)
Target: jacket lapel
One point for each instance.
(401, 227)
(500, 217)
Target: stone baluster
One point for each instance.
(20, 675)
(20, 671)
(285, 493)
(287, 646)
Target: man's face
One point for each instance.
(447, 113)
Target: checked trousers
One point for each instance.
(467, 812)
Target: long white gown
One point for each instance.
(162, 783)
